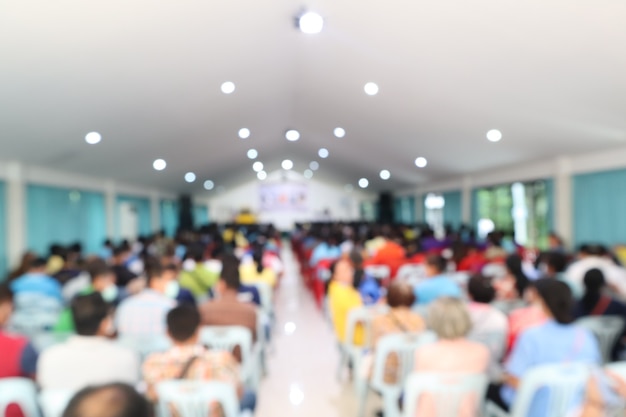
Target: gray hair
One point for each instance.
(448, 318)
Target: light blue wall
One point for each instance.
(169, 217)
(404, 210)
(144, 214)
(200, 215)
(453, 209)
(3, 232)
(599, 207)
(64, 216)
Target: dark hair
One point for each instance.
(558, 298)
(480, 289)
(6, 295)
(124, 401)
(170, 268)
(230, 271)
(97, 267)
(121, 249)
(153, 269)
(556, 260)
(38, 263)
(594, 283)
(514, 266)
(400, 294)
(88, 312)
(437, 261)
(257, 256)
(182, 322)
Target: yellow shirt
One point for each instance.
(341, 299)
(249, 275)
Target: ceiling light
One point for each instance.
(323, 153)
(494, 135)
(244, 133)
(311, 23)
(363, 183)
(371, 89)
(261, 175)
(252, 153)
(339, 132)
(257, 166)
(292, 135)
(385, 174)
(228, 87)
(190, 177)
(348, 188)
(421, 162)
(287, 164)
(209, 185)
(308, 174)
(314, 166)
(159, 164)
(93, 137)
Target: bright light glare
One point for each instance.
(244, 133)
(228, 87)
(257, 166)
(494, 135)
(287, 164)
(363, 183)
(190, 177)
(311, 23)
(385, 174)
(296, 396)
(371, 89)
(261, 175)
(252, 153)
(209, 185)
(292, 135)
(421, 162)
(93, 137)
(323, 153)
(308, 174)
(339, 132)
(314, 166)
(290, 327)
(159, 164)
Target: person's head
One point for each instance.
(230, 280)
(435, 265)
(38, 266)
(555, 241)
(556, 299)
(342, 272)
(111, 400)
(555, 262)
(594, 286)
(588, 250)
(183, 325)
(400, 294)
(103, 279)
(514, 267)
(92, 315)
(6, 304)
(480, 289)
(449, 319)
(121, 254)
(161, 279)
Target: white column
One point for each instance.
(110, 198)
(466, 201)
(563, 199)
(155, 211)
(16, 213)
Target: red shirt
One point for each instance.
(12, 347)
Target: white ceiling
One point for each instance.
(146, 74)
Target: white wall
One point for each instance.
(342, 205)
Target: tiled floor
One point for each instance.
(302, 368)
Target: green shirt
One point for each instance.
(199, 281)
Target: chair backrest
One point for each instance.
(403, 345)
(564, 383)
(380, 272)
(618, 368)
(265, 293)
(20, 391)
(228, 338)
(195, 398)
(54, 402)
(362, 316)
(449, 391)
(146, 346)
(607, 329)
(411, 271)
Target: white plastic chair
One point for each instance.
(410, 272)
(403, 345)
(449, 391)
(380, 272)
(349, 352)
(228, 338)
(564, 384)
(144, 347)
(494, 341)
(194, 398)
(53, 402)
(607, 329)
(20, 391)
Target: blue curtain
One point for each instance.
(200, 215)
(397, 210)
(3, 232)
(599, 207)
(144, 213)
(169, 217)
(64, 216)
(550, 196)
(453, 208)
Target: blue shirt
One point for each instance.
(38, 284)
(324, 251)
(549, 343)
(436, 287)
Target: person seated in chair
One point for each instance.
(111, 400)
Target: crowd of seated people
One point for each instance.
(497, 308)
(131, 315)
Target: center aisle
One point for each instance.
(302, 366)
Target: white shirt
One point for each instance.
(613, 274)
(84, 361)
(143, 315)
